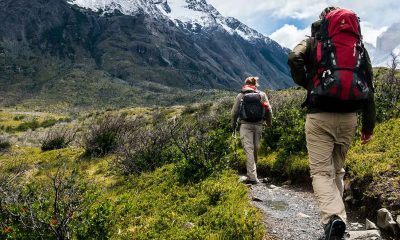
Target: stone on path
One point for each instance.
(370, 225)
(385, 220)
(368, 234)
(398, 220)
(302, 215)
(272, 186)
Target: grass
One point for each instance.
(154, 205)
(11, 120)
(375, 167)
(380, 155)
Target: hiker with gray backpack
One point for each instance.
(250, 111)
(335, 69)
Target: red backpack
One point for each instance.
(340, 83)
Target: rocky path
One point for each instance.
(291, 213)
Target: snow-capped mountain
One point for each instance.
(165, 44)
(191, 14)
(388, 42)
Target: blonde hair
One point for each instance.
(251, 81)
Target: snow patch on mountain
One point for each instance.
(195, 14)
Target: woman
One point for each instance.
(252, 109)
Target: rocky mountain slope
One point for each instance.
(83, 52)
(387, 42)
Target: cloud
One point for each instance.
(249, 9)
(371, 33)
(289, 36)
(377, 12)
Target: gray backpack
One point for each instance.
(251, 108)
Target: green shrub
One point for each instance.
(387, 91)
(104, 137)
(5, 145)
(57, 138)
(287, 132)
(33, 125)
(145, 148)
(48, 123)
(19, 117)
(48, 209)
(204, 147)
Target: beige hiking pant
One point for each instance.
(250, 135)
(328, 138)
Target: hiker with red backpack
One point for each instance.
(251, 109)
(335, 68)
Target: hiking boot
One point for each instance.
(252, 182)
(335, 229)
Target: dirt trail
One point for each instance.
(291, 213)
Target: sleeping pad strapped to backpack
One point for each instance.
(340, 84)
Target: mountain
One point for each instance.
(86, 52)
(388, 42)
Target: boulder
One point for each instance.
(369, 225)
(385, 220)
(368, 234)
(398, 220)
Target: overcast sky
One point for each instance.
(288, 21)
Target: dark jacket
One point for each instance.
(303, 65)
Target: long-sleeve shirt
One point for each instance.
(302, 62)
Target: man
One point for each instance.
(252, 108)
(332, 105)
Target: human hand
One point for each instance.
(365, 138)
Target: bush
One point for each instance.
(387, 91)
(33, 125)
(5, 145)
(145, 148)
(45, 210)
(48, 123)
(203, 145)
(57, 138)
(18, 117)
(287, 132)
(105, 137)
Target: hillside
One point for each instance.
(77, 54)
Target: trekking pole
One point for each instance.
(234, 144)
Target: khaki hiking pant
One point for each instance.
(250, 135)
(328, 138)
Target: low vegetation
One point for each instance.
(57, 138)
(167, 176)
(5, 145)
(167, 173)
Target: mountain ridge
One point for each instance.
(46, 43)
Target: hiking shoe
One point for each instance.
(246, 180)
(252, 182)
(335, 229)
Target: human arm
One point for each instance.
(297, 62)
(268, 110)
(235, 111)
(369, 109)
